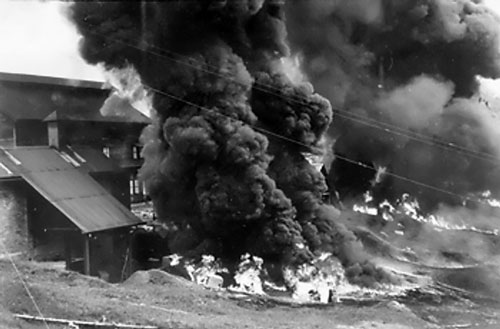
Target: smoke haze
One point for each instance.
(397, 71)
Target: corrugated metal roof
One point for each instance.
(77, 195)
(91, 159)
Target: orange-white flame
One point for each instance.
(128, 84)
(321, 281)
(324, 281)
(291, 67)
(248, 275)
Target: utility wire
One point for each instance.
(273, 90)
(265, 131)
(24, 283)
(291, 140)
(431, 142)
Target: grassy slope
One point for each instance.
(170, 302)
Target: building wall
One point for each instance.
(47, 228)
(29, 225)
(117, 184)
(53, 134)
(31, 98)
(14, 218)
(30, 133)
(6, 130)
(118, 141)
(120, 137)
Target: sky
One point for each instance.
(36, 38)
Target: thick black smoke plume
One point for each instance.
(404, 77)
(224, 157)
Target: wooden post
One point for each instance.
(86, 255)
(67, 249)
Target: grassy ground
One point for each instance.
(158, 298)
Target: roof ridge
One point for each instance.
(61, 81)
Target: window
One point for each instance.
(135, 186)
(66, 157)
(136, 152)
(105, 150)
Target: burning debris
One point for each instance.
(322, 281)
(452, 239)
(316, 283)
(248, 275)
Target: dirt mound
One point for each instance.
(157, 277)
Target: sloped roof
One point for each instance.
(115, 109)
(71, 190)
(40, 79)
(91, 159)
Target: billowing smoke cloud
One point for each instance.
(224, 157)
(404, 77)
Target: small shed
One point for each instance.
(54, 209)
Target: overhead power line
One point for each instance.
(348, 115)
(24, 284)
(294, 141)
(375, 124)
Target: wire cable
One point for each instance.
(291, 140)
(444, 144)
(24, 283)
(273, 90)
(431, 142)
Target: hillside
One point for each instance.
(160, 299)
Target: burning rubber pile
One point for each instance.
(321, 281)
(235, 118)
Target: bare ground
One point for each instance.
(160, 299)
